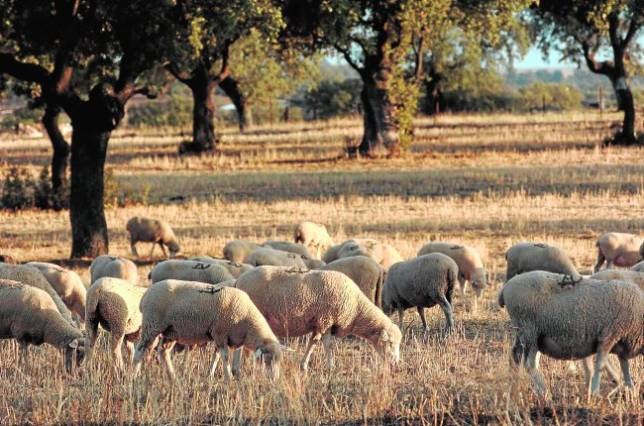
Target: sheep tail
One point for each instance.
(91, 304)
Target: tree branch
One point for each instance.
(22, 70)
(347, 57)
(603, 67)
(181, 76)
(632, 30)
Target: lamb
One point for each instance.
(621, 275)
(385, 254)
(311, 234)
(115, 267)
(364, 271)
(470, 266)
(153, 231)
(114, 304)
(289, 247)
(572, 319)
(524, 257)
(190, 270)
(325, 304)
(235, 269)
(237, 250)
(618, 249)
(31, 276)
(422, 282)
(67, 284)
(194, 313)
(29, 315)
(268, 256)
(638, 267)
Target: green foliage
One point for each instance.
(332, 98)
(552, 96)
(26, 115)
(21, 191)
(114, 196)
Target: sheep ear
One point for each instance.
(73, 344)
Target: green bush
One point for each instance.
(21, 191)
(332, 98)
(551, 96)
(26, 115)
(175, 112)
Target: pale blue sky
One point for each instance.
(534, 60)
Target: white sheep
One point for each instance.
(29, 315)
(313, 235)
(31, 276)
(235, 269)
(114, 304)
(115, 267)
(189, 270)
(525, 257)
(618, 249)
(67, 284)
(422, 282)
(635, 277)
(289, 247)
(385, 254)
(196, 313)
(325, 304)
(470, 265)
(364, 271)
(269, 256)
(237, 250)
(153, 231)
(638, 267)
(571, 319)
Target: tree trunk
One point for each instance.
(61, 151)
(92, 122)
(89, 228)
(203, 117)
(231, 89)
(625, 103)
(380, 129)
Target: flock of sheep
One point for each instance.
(258, 294)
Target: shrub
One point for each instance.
(17, 190)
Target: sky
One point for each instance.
(534, 60)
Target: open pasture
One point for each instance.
(487, 181)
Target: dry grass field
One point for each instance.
(488, 181)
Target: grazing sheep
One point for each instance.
(312, 235)
(237, 250)
(524, 257)
(67, 284)
(618, 249)
(326, 304)
(235, 269)
(638, 267)
(470, 266)
(29, 315)
(190, 270)
(269, 256)
(422, 282)
(364, 271)
(28, 275)
(153, 231)
(331, 253)
(289, 247)
(621, 275)
(195, 313)
(114, 304)
(385, 254)
(114, 267)
(567, 318)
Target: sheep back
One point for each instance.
(364, 271)
(470, 265)
(115, 267)
(189, 270)
(620, 248)
(525, 257)
(237, 250)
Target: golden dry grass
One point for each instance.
(488, 181)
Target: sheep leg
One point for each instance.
(117, 355)
(165, 253)
(129, 348)
(166, 352)
(24, 353)
(148, 339)
(600, 358)
(152, 250)
(237, 360)
(600, 260)
(461, 285)
(421, 312)
(449, 315)
(133, 247)
(327, 343)
(626, 373)
(401, 314)
(532, 366)
(91, 327)
(215, 361)
(309, 350)
(224, 351)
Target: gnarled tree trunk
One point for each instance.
(625, 103)
(61, 151)
(231, 88)
(380, 128)
(203, 117)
